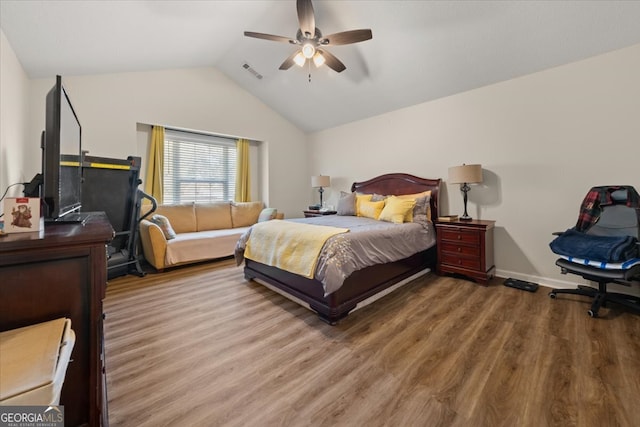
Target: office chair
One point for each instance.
(603, 246)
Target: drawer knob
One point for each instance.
(459, 249)
(459, 237)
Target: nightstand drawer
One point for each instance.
(460, 261)
(459, 235)
(454, 248)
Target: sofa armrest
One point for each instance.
(154, 244)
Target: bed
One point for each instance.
(366, 284)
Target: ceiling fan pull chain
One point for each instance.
(309, 62)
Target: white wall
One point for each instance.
(14, 87)
(114, 108)
(543, 141)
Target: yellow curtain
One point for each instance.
(155, 168)
(243, 190)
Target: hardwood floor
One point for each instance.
(199, 346)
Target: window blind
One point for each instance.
(198, 167)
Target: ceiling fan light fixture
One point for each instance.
(312, 43)
(299, 59)
(308, 50)
(318, 59)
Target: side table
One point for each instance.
(312, 213)
(466, 248)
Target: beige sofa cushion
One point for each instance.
(244, 214)
(202, 245)
(181, 217)
(33, 362)
(213, 216)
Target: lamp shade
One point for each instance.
(320, 181)
(468, 174)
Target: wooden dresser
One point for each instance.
(62, 272)
(466, 248)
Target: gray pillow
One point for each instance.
(347, 204)
(422, 209)
(267, 214)
(164, 224)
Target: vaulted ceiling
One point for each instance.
(420, 51)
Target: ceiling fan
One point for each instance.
(311, 41)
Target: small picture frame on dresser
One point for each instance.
(22, 215)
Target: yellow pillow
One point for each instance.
(423, 208)
(371, 209)
(396, 210)
(361, 198)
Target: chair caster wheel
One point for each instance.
(592, 313)
(552, 295)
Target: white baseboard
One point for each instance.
(633, 289)
(542, 281)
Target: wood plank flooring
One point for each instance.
(200, 346)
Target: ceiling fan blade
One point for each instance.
(306, 18)
(289, 61)
(270, 37)
(347, 37)
(332, 62)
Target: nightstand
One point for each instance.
(466, 248)
(308, 214)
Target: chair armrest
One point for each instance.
(154, 244)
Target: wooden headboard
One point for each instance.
(399, 184)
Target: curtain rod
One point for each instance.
(199, 132)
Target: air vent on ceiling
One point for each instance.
(250, 69)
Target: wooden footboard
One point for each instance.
(361, 285)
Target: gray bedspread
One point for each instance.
(368, 242)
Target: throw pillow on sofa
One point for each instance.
(164, 224)
(267, 214)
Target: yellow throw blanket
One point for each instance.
(290, 246)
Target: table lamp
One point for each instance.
(465, 175)
(319, 182)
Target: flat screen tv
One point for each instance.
(61, 156)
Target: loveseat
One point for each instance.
(181, 234)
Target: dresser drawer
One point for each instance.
(459, 235)
(460, 261)
(455, 248)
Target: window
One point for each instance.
(198, 167)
